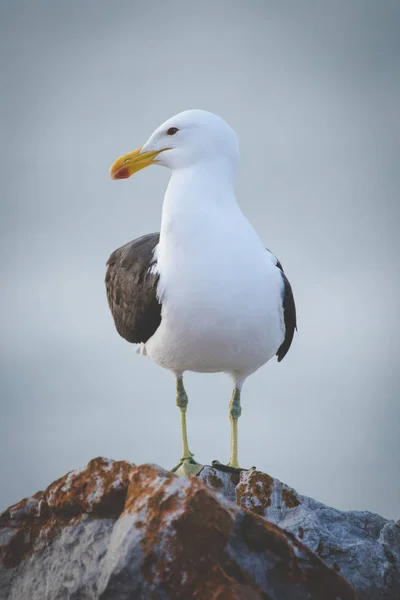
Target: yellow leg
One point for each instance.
(235, 410)
(182, 402)
(186, 466)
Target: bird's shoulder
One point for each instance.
(137, 253)
(274, 259)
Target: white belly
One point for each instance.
(220, 312)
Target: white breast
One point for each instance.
(221, 293)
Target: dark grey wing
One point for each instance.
(131, 288)
(289, 313)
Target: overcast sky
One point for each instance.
(313, 90)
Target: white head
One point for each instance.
(189, 138)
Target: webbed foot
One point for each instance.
(228, 468)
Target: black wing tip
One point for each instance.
(284, 349)
(290, 317)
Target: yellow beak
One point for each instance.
(131, 163)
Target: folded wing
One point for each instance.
(289, 311)
(131, 284)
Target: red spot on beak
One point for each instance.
(122, 173)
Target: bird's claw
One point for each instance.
(186, 467)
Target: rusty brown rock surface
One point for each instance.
(99, 489)
(116, 531)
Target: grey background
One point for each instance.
(313, 91)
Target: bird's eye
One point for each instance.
(172, 131)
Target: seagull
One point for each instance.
(203, 294)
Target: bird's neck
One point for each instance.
(198, 195)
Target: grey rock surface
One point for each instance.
(81, 546)
(364, 547)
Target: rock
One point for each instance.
(116, 531)
(360, 545)
(51, 543)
